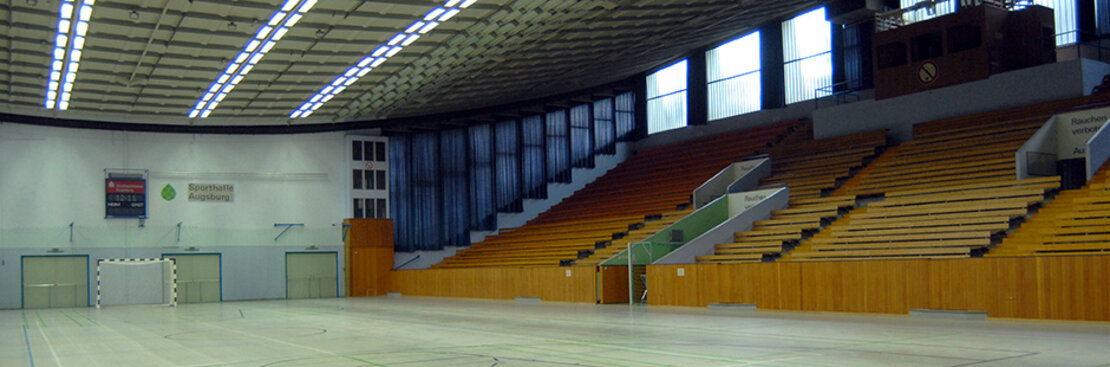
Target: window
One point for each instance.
(369, 165)
(941, 7)
(964, 37)
(807, 51)
(1066, 13)
(558, 147)
(581, 138)
(733, 76)
(926, 46)
(507, 164)
(666, 98)
(533, 164)
(624, 114)
(891, 55)
(604, 130)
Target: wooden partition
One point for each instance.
(369, 253)
(560, 284)
(1057, 287)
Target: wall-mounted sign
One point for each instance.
(168, 193)
(927, 73)
(224, 193)
(1074, 129)
(125, 194)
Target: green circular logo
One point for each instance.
(168, 192)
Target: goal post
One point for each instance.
(136, 281)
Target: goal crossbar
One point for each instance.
(172, 281)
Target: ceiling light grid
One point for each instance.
(73, 24)
(395, 44)
(263, 41)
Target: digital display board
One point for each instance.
(125, 196)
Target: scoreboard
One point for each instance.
(125, 195)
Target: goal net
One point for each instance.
(136, 281)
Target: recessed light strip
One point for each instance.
(263, 41)
(395, 44)
(73, 24)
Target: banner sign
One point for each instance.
(125, 196)
(224, 193)
(1074, 129)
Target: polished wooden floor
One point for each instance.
(453, 332)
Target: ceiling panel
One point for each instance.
(150, 60)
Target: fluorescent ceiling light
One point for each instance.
(68, 42)
(449, 14)
(264, 40)
(434, 13)
(376, 58)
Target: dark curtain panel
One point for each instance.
(426, 192)
(456, 197)
(605, 141)
(581, 138)
(399, 193)
(507, 163)
(483, 205)
(533, 162)
(558, 147)
(625, 115)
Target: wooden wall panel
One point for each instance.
(547, 283)
(369, 256)
(1064, 287)
(613, 283)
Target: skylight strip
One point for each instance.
(376, 58)
(73, 25)
(264, 40)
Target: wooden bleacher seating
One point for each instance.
(809, 168)
(616, 207)
(941, 222)
(1075, 222)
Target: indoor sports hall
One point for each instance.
(616, 183)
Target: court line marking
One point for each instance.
(27, 342)
(50, 346)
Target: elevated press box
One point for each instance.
(965, 46)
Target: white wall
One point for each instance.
(51, 177)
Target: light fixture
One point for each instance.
(376, 58)
(264, 40)
(73, 25)
(231, 26)
(134, 15)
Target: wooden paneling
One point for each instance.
(369, 254)
(1062, 287)
(613, 283)
(547, 283)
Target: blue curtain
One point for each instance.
(455, 182)
(399, 193)
(507, 138)
(558, 147)
(581, 138)
(425, 197)
(605, 141)
(625, 114)
(533, 164)
(483, 205)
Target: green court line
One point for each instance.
(66, 314)
(39, 316)
(25, 324)
(647, 350)
(363, 361)
(87, 318)
(635, 363)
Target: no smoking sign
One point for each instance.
(927, 73)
